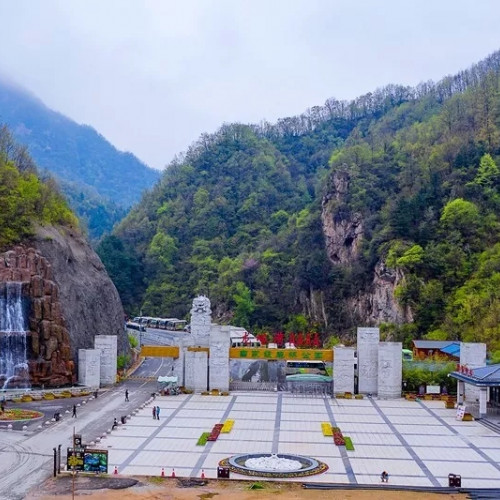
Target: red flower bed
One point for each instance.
(338, 438)
(215, 432)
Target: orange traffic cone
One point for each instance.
(162, 472)
(116, 470)
(202, 474)
(173, 472)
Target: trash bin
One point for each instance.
(123, 419)
(454, 481)
(57, 416)
(223, 472)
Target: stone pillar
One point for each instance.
(460, 391)
(196, 368)
(343, 369)
(178, 363)
(483, 395)
(89, 367)
(219, 357)
(472, 355)
(390, 370)
(368, 342)
(107, 345)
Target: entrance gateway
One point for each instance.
(204, 360)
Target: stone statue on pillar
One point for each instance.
(201, 321)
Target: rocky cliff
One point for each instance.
(71, 300)
(343, 232)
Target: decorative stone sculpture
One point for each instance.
(201, 320)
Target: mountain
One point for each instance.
(379, 211)
(101, 182)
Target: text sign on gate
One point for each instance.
(285, 354)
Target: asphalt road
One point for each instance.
(26, 457)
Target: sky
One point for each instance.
(152, 75)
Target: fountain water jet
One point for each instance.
(13, 337)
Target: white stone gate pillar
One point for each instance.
(390, 370)
(219, 358)
(368, 342)
(343, 369)
(472, 355)
(107, 345)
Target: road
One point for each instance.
(26, 457)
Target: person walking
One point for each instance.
(384, 477)
(74, 411)
(154, 412)
(158, 412)
(115, 424)
(126, 394)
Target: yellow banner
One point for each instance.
(286, 354)
(159, 351)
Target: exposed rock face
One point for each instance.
(72, 299)
(343, 231)
(49, 356)
(379, 305)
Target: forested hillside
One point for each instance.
(24, 198)
(100, 181)
(384, 210)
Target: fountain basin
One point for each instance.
(278, 465)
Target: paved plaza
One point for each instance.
(418, 443)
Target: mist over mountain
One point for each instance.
(101, 182)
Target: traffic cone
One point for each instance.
(173, 473)
(162, 472)
(202, 474)
(116, 470)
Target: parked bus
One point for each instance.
(241, 338)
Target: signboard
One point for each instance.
(74, 459)
(433, 389)
(460, 412)
(96, 461)
(283, 354)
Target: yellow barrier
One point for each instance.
(157, 351)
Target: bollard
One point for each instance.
(162, 472)
(173, 473)
(116, 470)
(202, 474)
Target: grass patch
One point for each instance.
(202, 441)
(256, 486)
(348, 444)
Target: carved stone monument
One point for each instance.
(343, 369)
(89, 367)
(390, 370)
(196, 362)
(201, 321)
(368, 344)
(107, 345)
(472, 355)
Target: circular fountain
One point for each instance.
(274, 465)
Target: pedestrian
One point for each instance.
(115, 424)
(154, 412)
(74, 411)
(158, 412)
(384, 477)
(126, 394)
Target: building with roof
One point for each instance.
(486, 379)
(448, 349)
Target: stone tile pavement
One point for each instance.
(418, 443)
